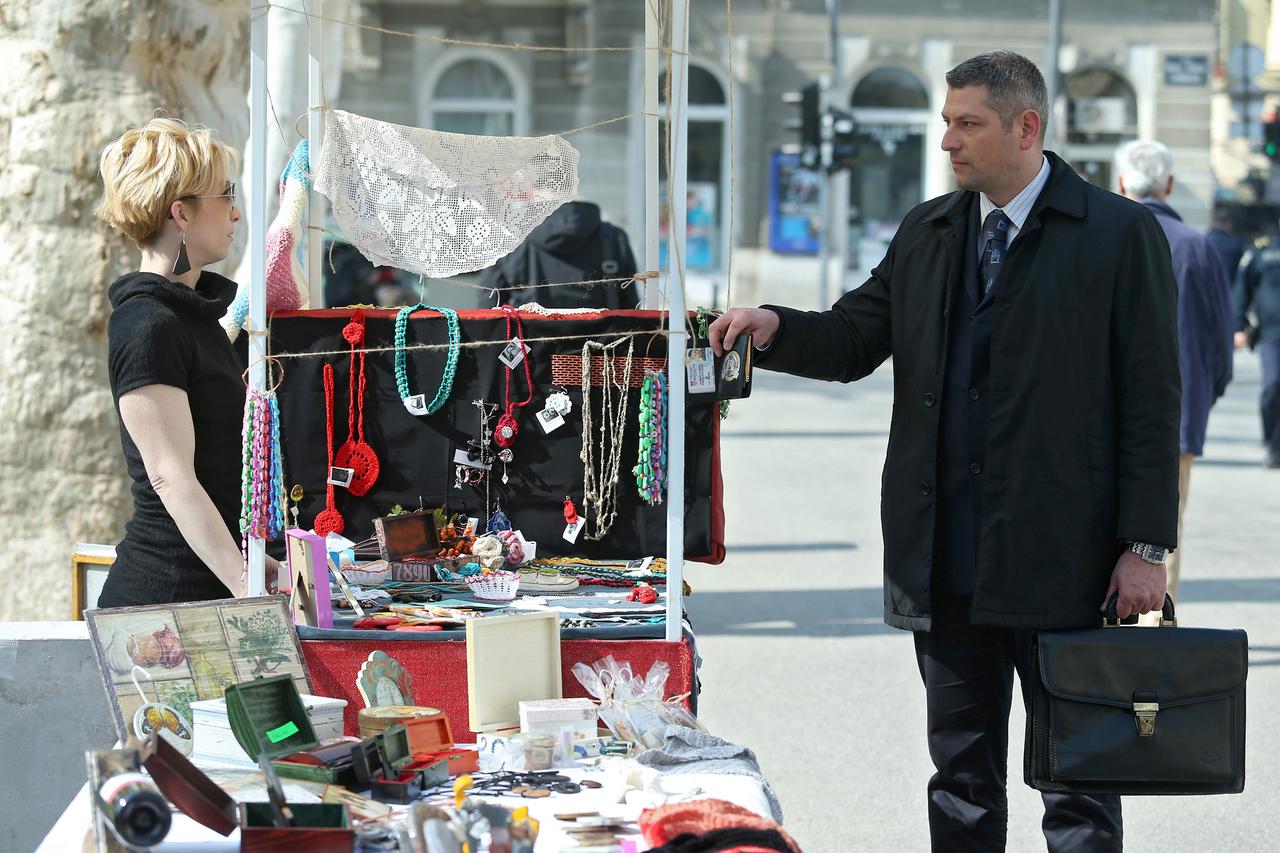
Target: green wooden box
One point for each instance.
(267, 717)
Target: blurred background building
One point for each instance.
(1129, 68)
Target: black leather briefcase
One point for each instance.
(1138, 710)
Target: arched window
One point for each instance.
(891, 114)
(890, 88)
(708, 156)
(475, 96)
(1102, 112)
(1102, 107)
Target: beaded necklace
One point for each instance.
(416, 403)
(508, 427)
(600, 468)
(651, 467)
(262, 497)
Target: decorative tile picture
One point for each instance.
(179, 653)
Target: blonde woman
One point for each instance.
(174, 375)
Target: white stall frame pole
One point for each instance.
(256, 193)
(672, 281)
(652, 68)
(315, 124)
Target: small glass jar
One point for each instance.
(539, 751)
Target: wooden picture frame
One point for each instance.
(192, 651)
(89, 566)
(510, 658)
(310, 599)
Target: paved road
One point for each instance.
(798, 665)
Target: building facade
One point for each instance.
(1130, 68)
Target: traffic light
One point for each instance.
(1271, 139)
(808, 123)
(844, 142)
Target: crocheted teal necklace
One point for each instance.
(414, 403)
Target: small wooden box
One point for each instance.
(458, 761)
(385, 763)
(215, 743)
(318, 828)
(268, 717)
(429, 729)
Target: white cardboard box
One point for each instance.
(551, 715)
(215, 743)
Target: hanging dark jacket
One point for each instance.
(1082, 399)
(1206, 322)
(571, 245)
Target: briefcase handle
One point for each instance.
(1111, 619)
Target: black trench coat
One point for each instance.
(1082, 437)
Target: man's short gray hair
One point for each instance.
(1145, 166)
(1013, 82)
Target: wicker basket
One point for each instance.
(495, 586)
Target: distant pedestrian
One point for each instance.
(573, 244)
(1222, 234)
(1144, 170)
(1257, 292)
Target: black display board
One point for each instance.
(416, 452)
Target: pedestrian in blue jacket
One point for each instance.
(1144, 171)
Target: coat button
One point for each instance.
(974, 393)
(926, 488)
(929, 399)
(975, 468)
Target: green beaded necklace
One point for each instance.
(415, 403)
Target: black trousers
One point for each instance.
(968, 677)
(1269, 352)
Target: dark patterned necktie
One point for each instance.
(995, 239)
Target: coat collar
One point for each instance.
(1158, 206)
(1064, 192)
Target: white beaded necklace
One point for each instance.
(600, 470)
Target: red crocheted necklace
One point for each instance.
(356, 453)
(508, 427)
(329, 520)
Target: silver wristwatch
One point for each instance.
(1153, 554)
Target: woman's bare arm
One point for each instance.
(158, 418)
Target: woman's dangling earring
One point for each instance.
(182, 264)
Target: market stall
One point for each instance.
(481, 519)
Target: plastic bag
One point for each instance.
(633, 708)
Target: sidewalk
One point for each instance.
(798, 665)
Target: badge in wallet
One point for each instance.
(727, 377)
(733, 371)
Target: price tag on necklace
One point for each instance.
(700, 369)
(417, 404)
(571, 531)
(513, 353)
(341, 477)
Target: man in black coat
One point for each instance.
(573, 244)
(1032, 467)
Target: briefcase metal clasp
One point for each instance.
(1145, 715)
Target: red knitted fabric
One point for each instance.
(697, 817)
(439, 670)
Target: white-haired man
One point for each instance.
(1144, 172)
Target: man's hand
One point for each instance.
(1141, 585)
(1242, 340)
(760, 323)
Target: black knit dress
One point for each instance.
(163, 333)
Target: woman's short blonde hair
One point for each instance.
(150, 167)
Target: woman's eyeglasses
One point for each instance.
(228, 192)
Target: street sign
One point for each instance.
(1186, 69)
